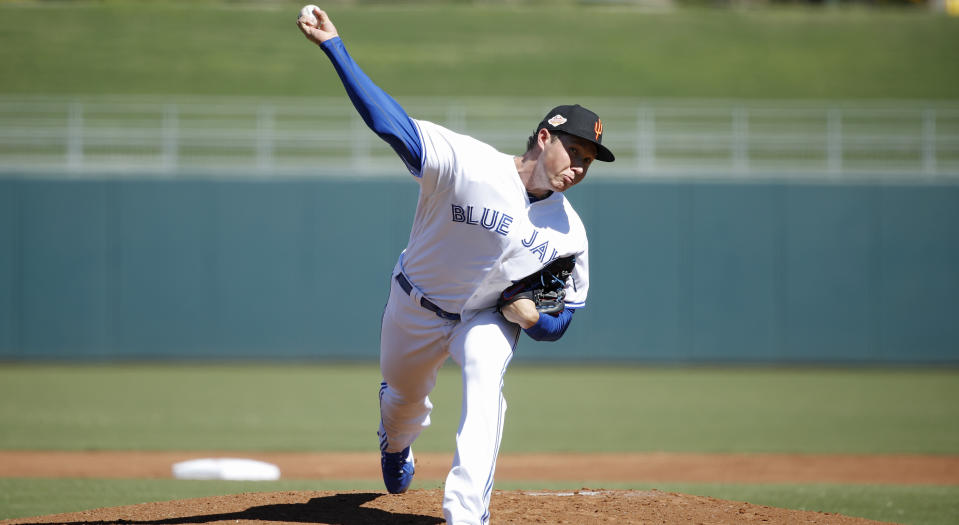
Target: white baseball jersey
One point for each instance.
(475, 231)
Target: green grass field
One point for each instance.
(579, 409)
(283, 408)
(255, 49)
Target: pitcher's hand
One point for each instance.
(522, 312)
(322, 31)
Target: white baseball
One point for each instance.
(307, 13)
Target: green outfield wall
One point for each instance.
(112, 269)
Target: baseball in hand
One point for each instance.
(307, 14)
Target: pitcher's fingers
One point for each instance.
(322, 19)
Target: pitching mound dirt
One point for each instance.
(423, 507)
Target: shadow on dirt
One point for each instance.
(345, 509)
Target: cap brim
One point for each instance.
(603, 153)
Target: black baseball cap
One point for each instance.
(579, 122)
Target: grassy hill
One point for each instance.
(255, 49)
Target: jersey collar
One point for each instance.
(533, 198)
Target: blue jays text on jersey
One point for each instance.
(500, 222)
(540, 249)
(491, 219)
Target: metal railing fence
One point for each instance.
(653, 139)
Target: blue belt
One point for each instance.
(424, 302)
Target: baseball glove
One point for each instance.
(546, 288)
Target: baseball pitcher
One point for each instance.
(495, 249)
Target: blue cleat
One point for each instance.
(397, 470)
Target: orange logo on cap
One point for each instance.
(598, 128)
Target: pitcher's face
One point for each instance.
(566, 160)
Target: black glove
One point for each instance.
(546, 288)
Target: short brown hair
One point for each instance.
(531, 141)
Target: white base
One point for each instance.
(226, 468)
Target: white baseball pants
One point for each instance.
(414, 343)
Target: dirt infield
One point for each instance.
(587, 468)
(425, 506)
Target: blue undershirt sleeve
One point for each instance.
(550, 328)
(380, 112)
